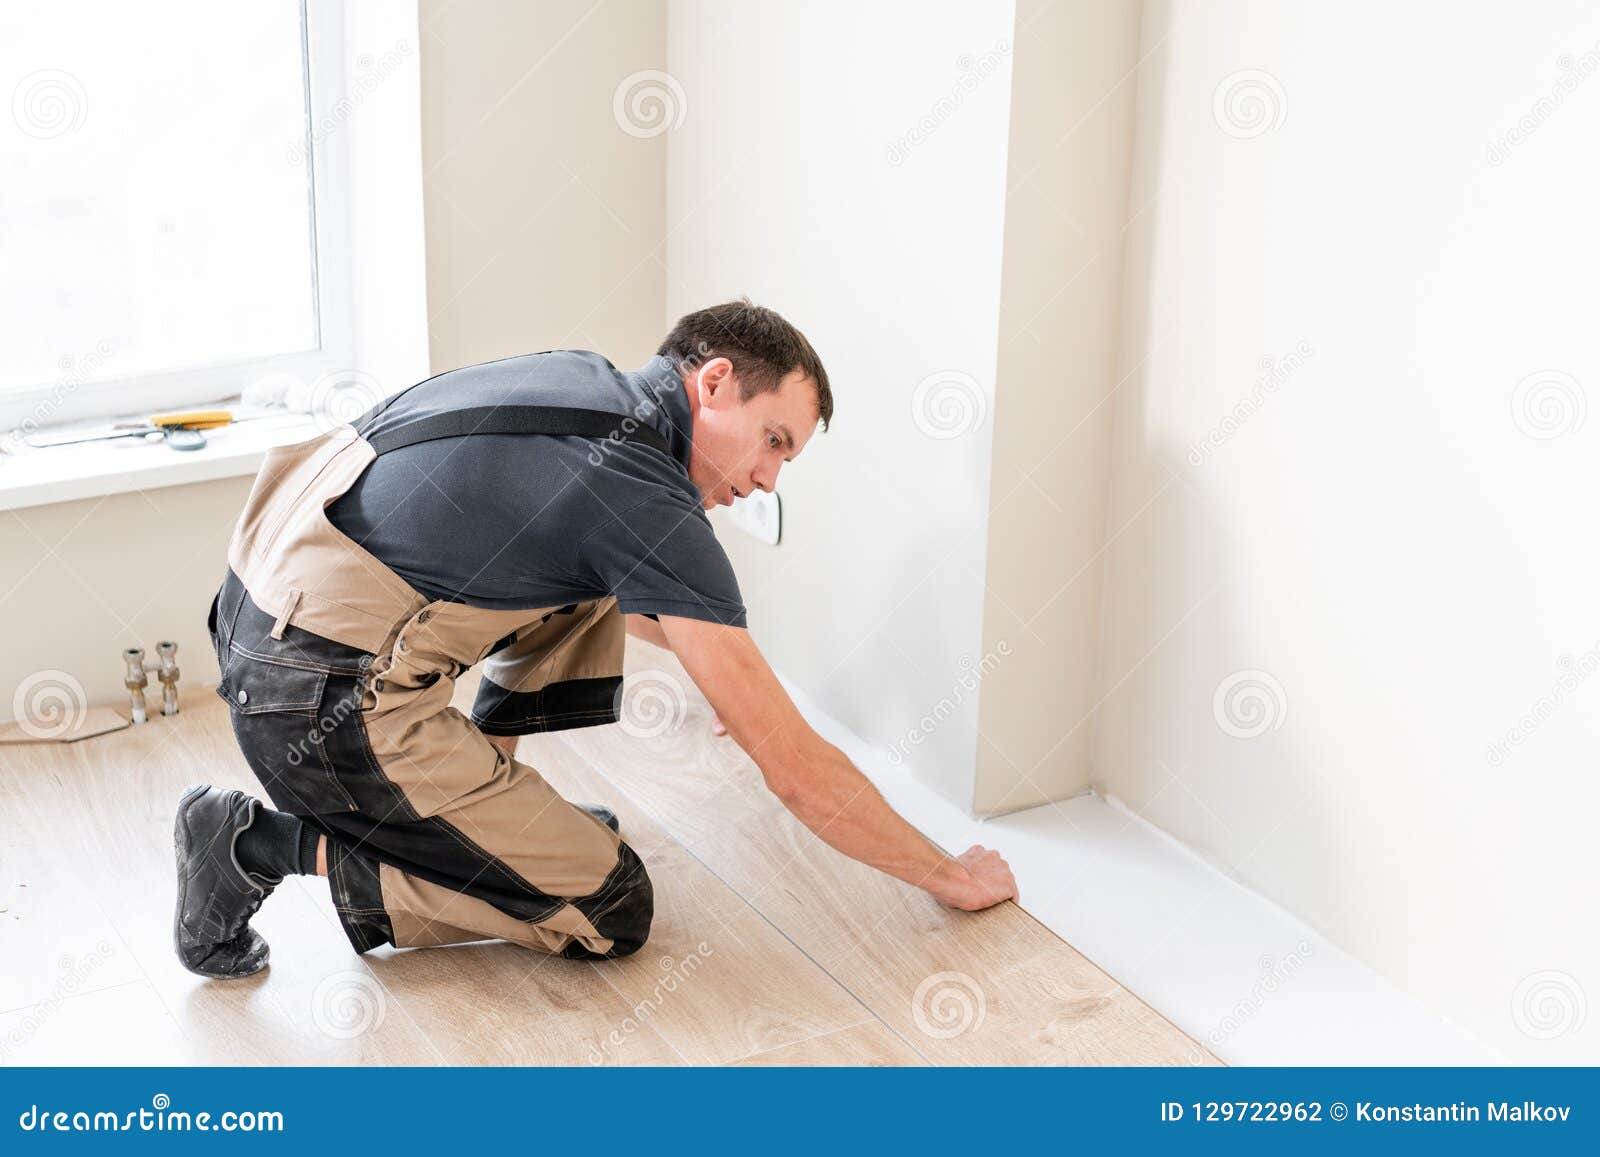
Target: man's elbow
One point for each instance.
(798, 779)
(791, 788)
(803, 779)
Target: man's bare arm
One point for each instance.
(642, 627)
(650, 631)
(815, 780)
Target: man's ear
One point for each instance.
(715, 383)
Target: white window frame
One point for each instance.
(325, 39)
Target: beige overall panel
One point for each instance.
(587, 643)
(447, 768)
(425, 915)
(298, 566)
(443, 632)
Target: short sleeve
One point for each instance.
(659, 556)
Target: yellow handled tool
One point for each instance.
(168, 424)
(193, 419)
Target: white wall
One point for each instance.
(845, 164)
(1375, 529)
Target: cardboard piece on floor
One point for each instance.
(96, 721)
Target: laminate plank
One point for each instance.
(768, 947)
(499, 1004)
(127, 1025)
(715, 980)
(56, 941)
(869, 1043)
(112, 804)
(989, 988)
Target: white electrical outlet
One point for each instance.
(760, 515)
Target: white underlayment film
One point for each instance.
(1226, 965)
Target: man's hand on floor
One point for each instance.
(815, 780)
(988, 881)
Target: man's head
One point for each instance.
(756, 391)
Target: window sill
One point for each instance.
(40, 477)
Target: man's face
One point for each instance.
(739, 446)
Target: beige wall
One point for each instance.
(544, 217)
(1341, 572)
(1067, 171)
(794, 178)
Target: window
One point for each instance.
(171, 220)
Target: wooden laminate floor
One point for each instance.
(768, 947)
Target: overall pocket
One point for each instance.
(282, 720)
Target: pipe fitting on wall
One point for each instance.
(136, 679)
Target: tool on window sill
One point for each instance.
(180, 430)
(182, 438)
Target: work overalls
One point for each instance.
(340, 674)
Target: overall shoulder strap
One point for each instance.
(555, 420)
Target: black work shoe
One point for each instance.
(602, 813)
(216, 896)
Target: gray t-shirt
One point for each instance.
(514, 521)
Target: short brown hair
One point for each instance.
(761, 345)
